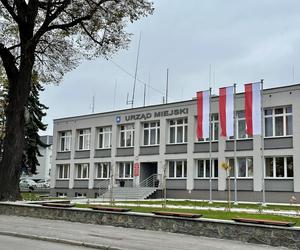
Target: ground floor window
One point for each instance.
(177, 169)
(63, 171)
(82, 171)
(80, 195)
(244, 167)
(102, 170)
(62, 195)
(125, 170)
(279, 167)
(202, 168)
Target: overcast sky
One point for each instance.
(243, 41)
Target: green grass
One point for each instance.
(222, 215)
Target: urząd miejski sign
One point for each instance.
(155, 114)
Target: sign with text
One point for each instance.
(136, 169)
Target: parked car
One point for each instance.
(43, 184)
(26, 183)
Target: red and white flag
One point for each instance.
(226, 110)
(253, 108)
(203, 109)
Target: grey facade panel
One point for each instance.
(101, 183)
(203, 147)
(279, 185)
(153, 150)
(242, 184)
(82, 154)
(125, 151)
(240, 145)
(63, 155)
(176, 184)
(62, 184)
(176, 149)
(81, 183)
(203, 184)
(102, 153)
(275, 143)
(128, 183)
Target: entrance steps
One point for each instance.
(130, 193)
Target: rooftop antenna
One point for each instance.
(93, 105)
(209, 77)
(145, 89)
(167, 86)
(115, 94)
(135, 74)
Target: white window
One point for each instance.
(279, 167)
(244, 167)
(278, 122)
(63, 171)
(127, 135)
(82, 171)
(177, 169)
(80, 195)
(102, 170)
(61, 195)
(178, 131)
(240, 126)
(84, 139)
(151, 133)
(104, 137)
(65, 141)
(202, 168)
(214, 128)
(125, 170)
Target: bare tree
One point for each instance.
(52, 37)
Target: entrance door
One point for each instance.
(147, 169)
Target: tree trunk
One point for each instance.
(10, 167)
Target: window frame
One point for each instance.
(66, 137)
(63, 166)
(86, 133)
(214, 161)
(126, 129)
(101, 165)
(183, 170)
(82, 165)
(247, 167)
(124, 170)
(285, 177)
(215, 123)
(148, 130)
(184, 126)
(104, 133)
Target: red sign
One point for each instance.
(136, 169)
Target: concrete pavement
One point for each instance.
(113, 237)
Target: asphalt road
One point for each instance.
(117, 237)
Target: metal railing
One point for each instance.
(103, 187)
(152, 181)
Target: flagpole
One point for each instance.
(234, 144)
(210, 146)
(262, 142)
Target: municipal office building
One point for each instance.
(156, 146)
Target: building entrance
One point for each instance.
(147, 169)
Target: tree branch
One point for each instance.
(11, 11)
(8, 62)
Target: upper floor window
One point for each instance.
(102, 170)
(104, 137)
(125, 170)
(82, 171)
(278, 121)
(65, 141)
(202, 168)
(178, 130)
(151, 133)
(127, 135)
(63, 171)
(214, 128)
(279, 167)
(240, 126)
(177, 169)
(244, 167)
(84, 139)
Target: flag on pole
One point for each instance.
(203, 109)
(226, 109)
(253, 108)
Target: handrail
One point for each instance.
(104, 186)
(152, 181)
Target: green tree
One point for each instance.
(52, 37)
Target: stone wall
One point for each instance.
(270, 235)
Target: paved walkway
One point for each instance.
(113, 237)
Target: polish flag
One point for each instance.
(226, 110)
(253, 108)
(203, 114)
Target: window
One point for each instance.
(202, 168)
(244, 167)
(240, 126)
(84, 138)
(125, 170)
(278, 121)
(80, 195)
(214, 128)
(65, 141)
(102, 170)
(151, 133)
(63, 171)
(279, 167)
(61, 195)
(104, 137)
(127, 135)
(82, 171)
(178, 131)
(177, 169)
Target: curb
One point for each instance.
(58, 240)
